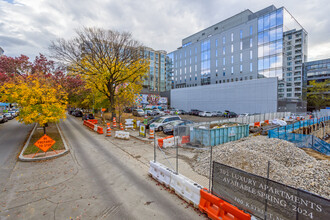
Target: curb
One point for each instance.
(24, 159)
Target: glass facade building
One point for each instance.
(247, 46)
(157, 80)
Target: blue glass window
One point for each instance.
(260, 64)
(279, 17)
(223, 39)
(266, 50)
(272, 20)
(260, 24)
(260, 38)
(279, 46)
(266, 22)
(251, 30)
(279, 33)
(279, 60)
(266, 36)
(272, 48)
(272, 35)
(240, 34)
(272, 62)
(266, 63)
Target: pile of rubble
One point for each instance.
(288, 164)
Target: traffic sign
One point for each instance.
(44, 143)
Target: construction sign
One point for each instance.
(44, 143)
(142, 132)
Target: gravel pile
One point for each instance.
(288, 164)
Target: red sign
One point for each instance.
(103, 109)
(44, 143)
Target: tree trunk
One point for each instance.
(44, 129)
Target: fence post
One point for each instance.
(155, 145)
(312, 140)
(265, 216)
(278, 132)
(210, 175)
(177, 150)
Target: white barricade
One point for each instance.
(165, 175)
(160, 173)
(178, 183)
(169, 142)
(95, 127)
(122, 135)
(154, 169)
(129, 123)
(192, 192)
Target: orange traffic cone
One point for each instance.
(151, 133)
(121, 126)
(114, 122)
(108, 130)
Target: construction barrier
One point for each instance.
(108, 130)
(114, 122)
(122, 135)
(161, 141)
(121, 126)
(151, 133)
(161, 173)
(129, 124)
(257, 124)
(186, 188)
(216, 208)
(185, 139)
(94, 121)
(93, 126)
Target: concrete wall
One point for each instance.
(250, 96)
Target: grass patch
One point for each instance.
(52, 132)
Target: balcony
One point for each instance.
(297, 79)
(298, 57)
(298, 41)
(297, 51)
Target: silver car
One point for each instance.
(160, 123)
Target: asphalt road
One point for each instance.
(12, 137)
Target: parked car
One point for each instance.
(205, 114)
(229, 114)
(88, 116)
(149, 113)
(13, 113)
(183, 112)
(169, 128)
(151, 120)
(195, 112)
(159, 112)
(162, 121)
(78, 113)
(138, 112)
(243, 115)
(8, 116)
(216, 113)
(3, 119)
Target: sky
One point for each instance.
(28, 26)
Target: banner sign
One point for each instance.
(264, 198)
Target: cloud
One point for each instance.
(160, 24)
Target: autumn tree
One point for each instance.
(105, 59)
(318, 94)
(39, 98)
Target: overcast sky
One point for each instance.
(28, 26)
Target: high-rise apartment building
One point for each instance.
(1, 51)
(267, 43)
(157, 79)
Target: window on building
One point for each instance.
(216, 82)
(241, 57)
(195, 50)
(241, 45)
(216, 63)
(250, 67)
(232, 37)
(289, 95)
(216, 53)
(224, 50)
(189, 60)
(251, 55)
(232, 59)
(251, 30)
(251, 77)
(250, 42)
(232, 80)
(216, 42)
(246, 78)
(223, 39)
(232, 70)
(224, 73)
(240, 34)
(224, 61)
(241, 68)
(232, 48)
(190, 52)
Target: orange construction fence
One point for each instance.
(267, 122)
(257, 124)
(216, 208)
(92, 125)
(161, 140)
